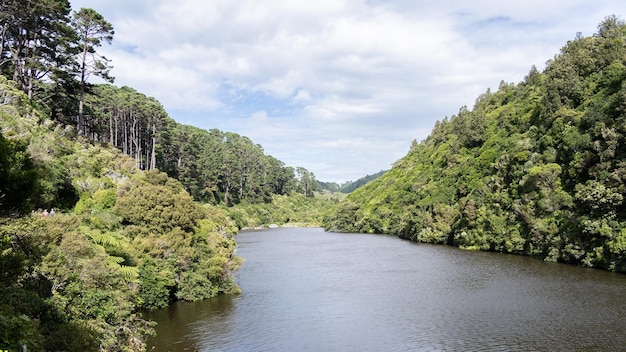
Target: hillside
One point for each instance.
(107, 205)
(105, 239)
(536, 168)
(49, 52)
(215, 167)
(349, 186)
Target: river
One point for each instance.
(308, 290)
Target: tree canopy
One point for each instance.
(535, 168)
(99, 216)
(104, 240)
(51, 52)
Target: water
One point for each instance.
(308, 290)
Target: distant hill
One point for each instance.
(349, 186)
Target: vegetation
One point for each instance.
(121, 239)
(120, 235)
(536, 168)
(50, 52)
(214, 167)
(349, 186)
(288, 210)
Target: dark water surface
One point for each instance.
(308, 290)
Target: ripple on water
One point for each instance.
(307, 290)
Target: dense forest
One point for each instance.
(107, 205)
(214, 167)
(109, 240)
(349, 186)
(535, 168)
(50, 52)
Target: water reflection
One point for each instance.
(307, 290)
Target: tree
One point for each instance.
(91, 30)
(34, 41)
(308, 183)
(18, 177)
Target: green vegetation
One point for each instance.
(536, 168)
(49, 52)
(285, 210)
(91, 232)
(121, 239)
(349, 186)
(213, 166)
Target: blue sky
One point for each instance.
(340, 87)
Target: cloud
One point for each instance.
(340, 87)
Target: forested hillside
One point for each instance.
(91, 231)
(49, 52)
(213, 166)
(98, 191)
(535, 168)
(349, 186)
(105, 240)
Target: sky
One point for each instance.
(339, 87)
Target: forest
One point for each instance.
(536, 168)
(108, 207)
(50, 52)
(105, 241)
(349, 186)
(214, 167)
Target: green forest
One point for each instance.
(536, 168)
(49, 52)
(88, 239)
(108, 207)
(349, 186)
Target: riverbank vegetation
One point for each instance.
(215, 167)
(535, 168)
(284, 210)
(107, 206)
(87, 239)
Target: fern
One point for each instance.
(108, 240)
(129, 273)
(114, 261)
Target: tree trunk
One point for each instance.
(153, 153)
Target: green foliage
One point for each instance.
(343, 217)
(295, 209)
(18, 177)
(29, 316)
(535, 168)
(158, 203)
(153, 290)
(121, 240)
(214, 167)
(349, 186)
(125, 236)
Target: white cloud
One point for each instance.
(302, 97)
(340, 87)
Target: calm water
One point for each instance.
(308, 290)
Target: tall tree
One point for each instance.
(34, 36)
(92, 29)
(308, 183)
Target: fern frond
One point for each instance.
(129, 273)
